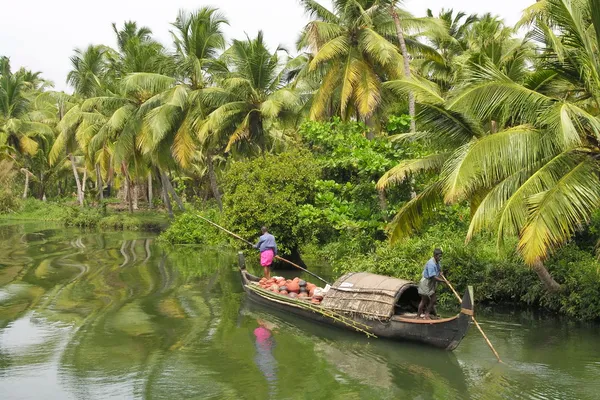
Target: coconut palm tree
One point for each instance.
(250, 102)
(537, 178)
(451, 46)
(22, 119)
(350, 57)
(89, 67)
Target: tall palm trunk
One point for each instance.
(150, 190)
(547, 279)
(129, 191)
(165, 192)
(212, 176)
(26, 188)
(77, 181)
(174, 193)
(136, 194)
(99, 183)
(405, 56)
(83, 180)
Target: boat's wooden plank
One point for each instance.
(423, 321)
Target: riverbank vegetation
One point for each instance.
(384, 136)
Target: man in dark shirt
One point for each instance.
(268, 250)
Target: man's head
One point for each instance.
(264, 230)
(437, 254)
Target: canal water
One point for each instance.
(89, 315)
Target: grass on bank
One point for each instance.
(101, 216)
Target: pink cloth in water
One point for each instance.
(266, 258)
(262, 334)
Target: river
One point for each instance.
(89, 315)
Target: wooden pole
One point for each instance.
(474, 320)
(251, 244)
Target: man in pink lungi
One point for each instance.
(268, 250)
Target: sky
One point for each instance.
(41, 35)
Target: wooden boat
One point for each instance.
(374, 304)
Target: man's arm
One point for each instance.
(257, 245)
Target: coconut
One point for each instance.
(315, 301)
(274, 287)
(302, 295)
(293, 287)
(311, 292)
(293, 295)
(283, 292)
(310, 286)
(283, 288)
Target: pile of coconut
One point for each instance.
(294, 288)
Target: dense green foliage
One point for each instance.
(188, 228)
(346, 202)
(269, 191)
(498, 278)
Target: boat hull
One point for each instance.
(444, 333)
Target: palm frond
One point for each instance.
(556, 213)
(378, 48)
(413, 214)
(405, 168)
(425, 91)
(488, 160)
(335, 48)
(368, 91)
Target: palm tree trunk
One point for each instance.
(83, 185)
(128, 192)
(26, 182)
(405, 56)
(136, 194)
(547, 279)
(150, 189)
(99, 183)
(212, 176)
(77, 181)
(174, 193)
(110, 178)
(165, 192)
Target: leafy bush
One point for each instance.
(345, 153)
(83, 217)
(346, 202)
(270, 190)
(188, 228)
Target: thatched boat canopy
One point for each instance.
(368, 295)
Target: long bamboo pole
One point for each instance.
(474, 320)
(251, 244)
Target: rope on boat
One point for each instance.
(319, 310)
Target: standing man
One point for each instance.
(268, 250)
(431, 276)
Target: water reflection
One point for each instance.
(265, 344)
(115, 315)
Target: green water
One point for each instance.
(87, 315)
